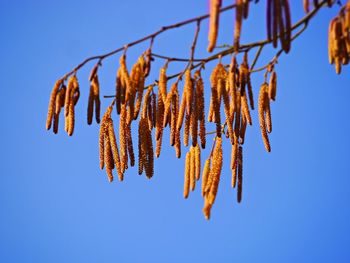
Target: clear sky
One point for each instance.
(57, 206)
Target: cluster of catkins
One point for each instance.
(339, 39)
(67, 97)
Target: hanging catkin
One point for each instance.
(205, 175)
(215, 6)
(234, 158)
(130, 144)
(159, 125)
(140, 86)
(240, 174)
(114, 147)
(263, 96)
(215, 171)
(162, 84)
(122, 138)
(52, 101)
(187, 175)
(181, 111)
(188, 91)
(94, 99)
(197, 152)
(200, 110)
(192, 169)
(273, 85)
(238, 24)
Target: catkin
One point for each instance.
(130, 144)
(238, 24)
(108, 158)
(187, 175)
(122, 138)
(205, 175)
(181, 111)
(273, 85)
(245, 108)
(52, 102)
(194, 121)
(306, 5)
(243, 128)
(268, 116)
(197, 151)
(103, 130)
(177, 144)
(215, 6)
(240, 174)
(263, 96)
(94, 98)
(159, 125)
(234, 157)
(192, 169)
(200, 110)
(167, 103)
(187, 128)
(174, 116)
(215, 171)
(188, 91)
(162, 84)
(114, 147)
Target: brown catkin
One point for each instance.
(154, 109)
(187, 175)
(181, 111)
(201, 111)
(238, 24)
(52, 102)
(234, 157)
(177, 144)
(90, 108)
(174, 116)
(162, 85)
(188, 91)
(215, 6)
(263, 96)
(167, 103)
(205, 175)
(194, 121)
(70, 87)
(108, 158)
(148, 144)
(118, 91)
(243, 129)
(245, 108)
(57, 111)
(273, 86)
(268, 115)
(103, 129)
(130, 144)
(197, 152)
(240, 174)
(216, 111)
(94, 99)
(192, 169)
(114, 147)
(122, 138)
(216, 171)
(159, 125)
(187, 128)
(142, 153)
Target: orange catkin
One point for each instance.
(181, 111)
(215, 6)
(263, 96)
(52, 101)
(114, 147)
(122, 138)
(162, 84)
(187, 175)
(238, 23)
(205, 175)
(188, 91)
(108, 159)
(197, 152)
(192, 169)
(273, 86)
(130, 144)
(215, 171)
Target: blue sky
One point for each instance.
(57, 206)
